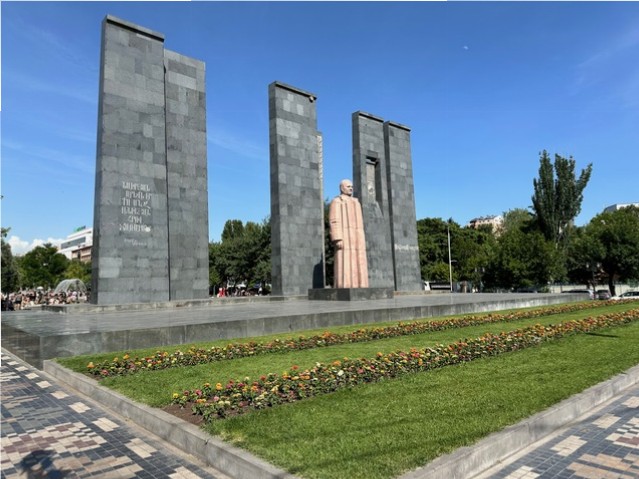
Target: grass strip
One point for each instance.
(381, 430)
(194, 356)
(242, 396)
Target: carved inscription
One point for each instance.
(135, 207)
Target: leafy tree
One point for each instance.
(557, 196)
(615, 244)
(233, 229)
(216, 268)
(244, 254)
(470, 250)
(10, 275)
(523, 256)
(43, 266)
(582, 259)
(80, 270)
(432, 239)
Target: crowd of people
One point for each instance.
(233, 291)
(27, 299)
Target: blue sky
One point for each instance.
(484, 88)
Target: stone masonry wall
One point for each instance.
(297, 221)
(187, 177)
(133, 206)
(370, 187)
(402, 207)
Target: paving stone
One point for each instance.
(60, 434)
(603, 445)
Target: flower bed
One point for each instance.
(164, 359)
(237, 397)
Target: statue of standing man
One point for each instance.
(347, 235)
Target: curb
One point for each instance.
(230, 460)
(470, 461)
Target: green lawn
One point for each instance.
(383, 429)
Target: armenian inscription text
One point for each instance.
(135, 207)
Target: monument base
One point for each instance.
(349, 294)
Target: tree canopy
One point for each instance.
(243, 254)
(557, 196)
(470, 250)
(10, 273)
(522, 257)
(613, 242)
(43, 266)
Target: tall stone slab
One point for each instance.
(187, 179)
(297, 221)
(403, 220)
(148, 137)
(370, 187)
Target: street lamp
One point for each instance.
(450, 261)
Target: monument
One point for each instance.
(371, 186)
(347, 235)
(383, 173)
(383, 182)
(297, 210)
(150, 234)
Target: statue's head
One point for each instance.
(346, 187)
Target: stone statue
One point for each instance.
(347, 235)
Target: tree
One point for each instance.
(582, 263)
(80, 270)
(10, 275)
(43, 266)
(244, 254)
(233, 229)
(557, 197)
(523, 256)
(470, 250)
(615, 244)
(432, 239)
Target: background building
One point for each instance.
(496, 222)
(78, 244)
(618, 206)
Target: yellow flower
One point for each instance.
(125, 357)
(218, 386)
(90, 365)
(176, 395)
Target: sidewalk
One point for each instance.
(48, 431)
(605, 445)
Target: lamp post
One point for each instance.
(450, 261)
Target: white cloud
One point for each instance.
(604, 64)
(20, 246)
(61, 160)
(241, 146)
(76, 91)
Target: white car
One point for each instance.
(627, 295)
